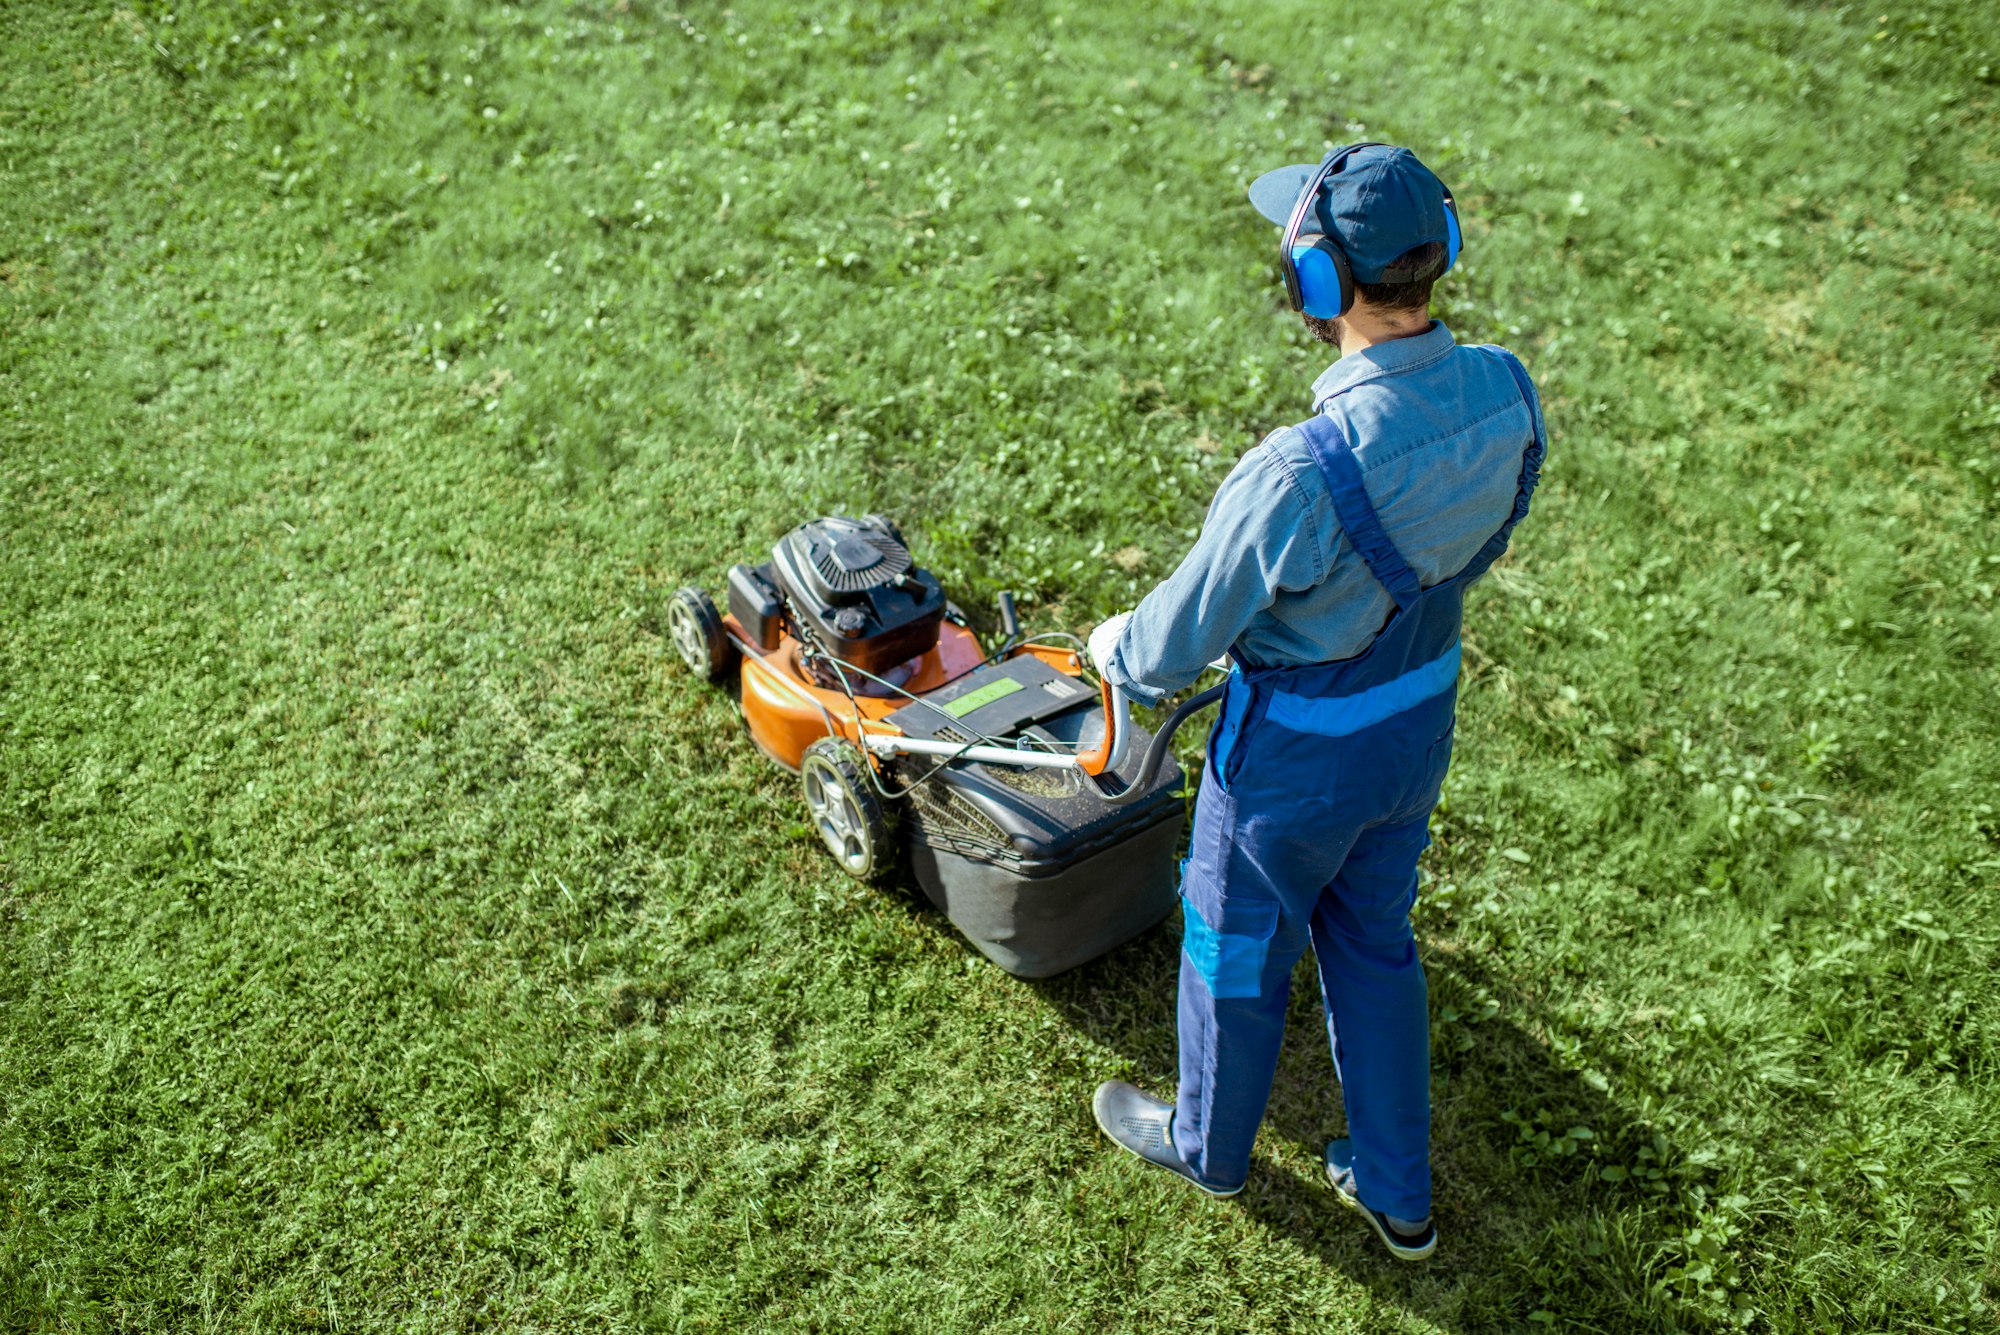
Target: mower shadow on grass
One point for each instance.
(1526, 1223)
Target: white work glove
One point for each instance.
(1104, 640)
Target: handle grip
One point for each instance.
(1010, 622)
(1110, 750)
(1149, 764)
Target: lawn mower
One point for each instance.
(1034, 812)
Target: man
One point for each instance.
(1331, 566)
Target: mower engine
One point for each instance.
(853, 591)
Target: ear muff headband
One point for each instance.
(1318, 279)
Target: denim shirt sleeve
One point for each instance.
(1259, 537)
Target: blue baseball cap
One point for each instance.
(1379, 203)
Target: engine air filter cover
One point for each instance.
(858, 561)
(834, 559)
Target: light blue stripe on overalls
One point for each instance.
(1231, 963)
(1339, 715)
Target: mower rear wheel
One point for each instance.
(695, 628)
(844, 808)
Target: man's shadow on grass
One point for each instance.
(1525, 1221)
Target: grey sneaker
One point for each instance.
(1407, 1240)
(1145, 1125)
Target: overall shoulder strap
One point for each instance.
(1531, 471)
(1531, 461)
(1334, 456)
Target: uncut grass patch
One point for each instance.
(389, 939)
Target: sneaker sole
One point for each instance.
(1401, 1251)
(1098, 1117)
(1219, 1195)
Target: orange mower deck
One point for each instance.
(787, 711)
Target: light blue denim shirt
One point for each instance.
(1439, 430)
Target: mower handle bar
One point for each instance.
(1106, 756)
(1149, 764)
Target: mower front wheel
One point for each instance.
(695, 628)
(844, 808)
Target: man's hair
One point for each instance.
(1406, 280)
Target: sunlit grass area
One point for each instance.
(392, 938)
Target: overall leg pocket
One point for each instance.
(1229, 944)
(1224, 752)
(1214, 835)
(1439, 759)
(1437, 762)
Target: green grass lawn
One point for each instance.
(392, 939)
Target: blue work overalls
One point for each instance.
(1313, 808)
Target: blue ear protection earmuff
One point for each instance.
(1317, 277)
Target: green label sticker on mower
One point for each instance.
(985, 695)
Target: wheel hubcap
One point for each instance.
(837, 817)
(688, 639)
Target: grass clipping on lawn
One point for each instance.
(390, 938)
